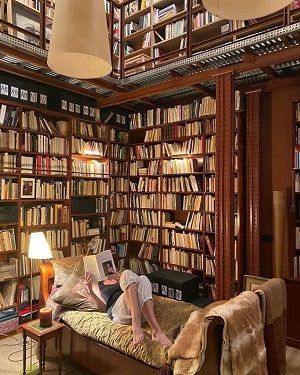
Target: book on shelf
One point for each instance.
(9, 270)
(144, 217)
(43, 215)
(296, 265)
(8, 293)
(164, 13)
(149, 251)
(7, 240)
(8, 188)
(191, 147)
(210, 241)
(35, 122)
(9, 139)
(9, 116)
(99, 265)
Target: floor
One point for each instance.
(11, 359)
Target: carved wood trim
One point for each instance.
(253, 185)
(225, 186)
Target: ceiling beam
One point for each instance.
(257, 62)
(42, 63)
(250, 55)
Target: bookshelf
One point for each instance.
(295, 256)
(172, 189)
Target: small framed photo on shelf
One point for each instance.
(27, 187)
(252, 283)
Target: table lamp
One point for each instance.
(39, 249)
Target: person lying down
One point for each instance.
(127, 299)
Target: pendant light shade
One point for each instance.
(244, 9)
(79, 45)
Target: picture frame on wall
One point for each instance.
(27, 188)
(252, 283)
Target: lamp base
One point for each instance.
(34, 370)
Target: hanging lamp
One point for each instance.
(244, 9)
(79, 45)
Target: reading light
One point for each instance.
(244, 9)
(79, 46)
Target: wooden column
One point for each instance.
(252, 208)
(225, 186)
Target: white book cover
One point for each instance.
(99, 265)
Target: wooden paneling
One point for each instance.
(253, 183)
(225, 186)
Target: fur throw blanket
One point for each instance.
(243, 350)
(274, 305)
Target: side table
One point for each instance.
(41, 336)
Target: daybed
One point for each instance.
(93, 341)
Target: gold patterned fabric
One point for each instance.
(64, 268)
(170, 315)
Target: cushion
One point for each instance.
(76, 297)
(63, 268)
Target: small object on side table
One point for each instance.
(41, 335)
(45, 317)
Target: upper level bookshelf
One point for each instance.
(145, 34)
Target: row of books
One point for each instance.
(194, 221)
(135, 6)
(132, 27)
(9, 139)
(181, 184)
(210, 203)
(118, 200)
(142, 267)
(8, 188)
(24, 264)
(139, 169)
(191, 147)
(147, 40)
(35, 122)
(181, 202)
(210, 144)
(202, 19)
(164, 13)
(145, 152)
(44, 215)
(181, 258)
(171, 131)
(7, 240)
(149, 251)
(118, 136)
(46, 165)
(145, 184)
(119, 234)
(118, 151)
(153, 135)
(9, 116)
(118, 167)
(57, 238)
(180, 166)
(81, 228)
(43, 144)
(145, 234)
(120, 249)
(144, 217)
(118, 217)
(91, 168)
(181, 240)
(297, 266)
(145, 201)
(210, 164)
(175, 29)
(7, 298)
(83, 129)
(93, 148)
(210, 184)
(207, 106)
(9, 270)
(119, 184)
(297, 159)
(51, 189)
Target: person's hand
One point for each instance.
(113, 275)
(88, 280)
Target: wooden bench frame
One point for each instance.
(101, 359)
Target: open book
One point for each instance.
(99, 265)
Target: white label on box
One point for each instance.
(43, 99)
(85, 110)
(164, 290)
(4, 89)
(24, 95)
(33, 97)
(71, 107)
(64, 105)
(77, 108)
(171, 293)
(14, 92)
(92, 112)
(155, 287)
(178, 295)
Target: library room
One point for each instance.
(150, 187)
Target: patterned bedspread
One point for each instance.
(170, 315)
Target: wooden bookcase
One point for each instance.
(179, 232)
(78, 186)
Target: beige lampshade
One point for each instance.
(79, 45)
(39, 247)
(244, 9)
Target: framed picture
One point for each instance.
(27, 187)
(252, 282)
